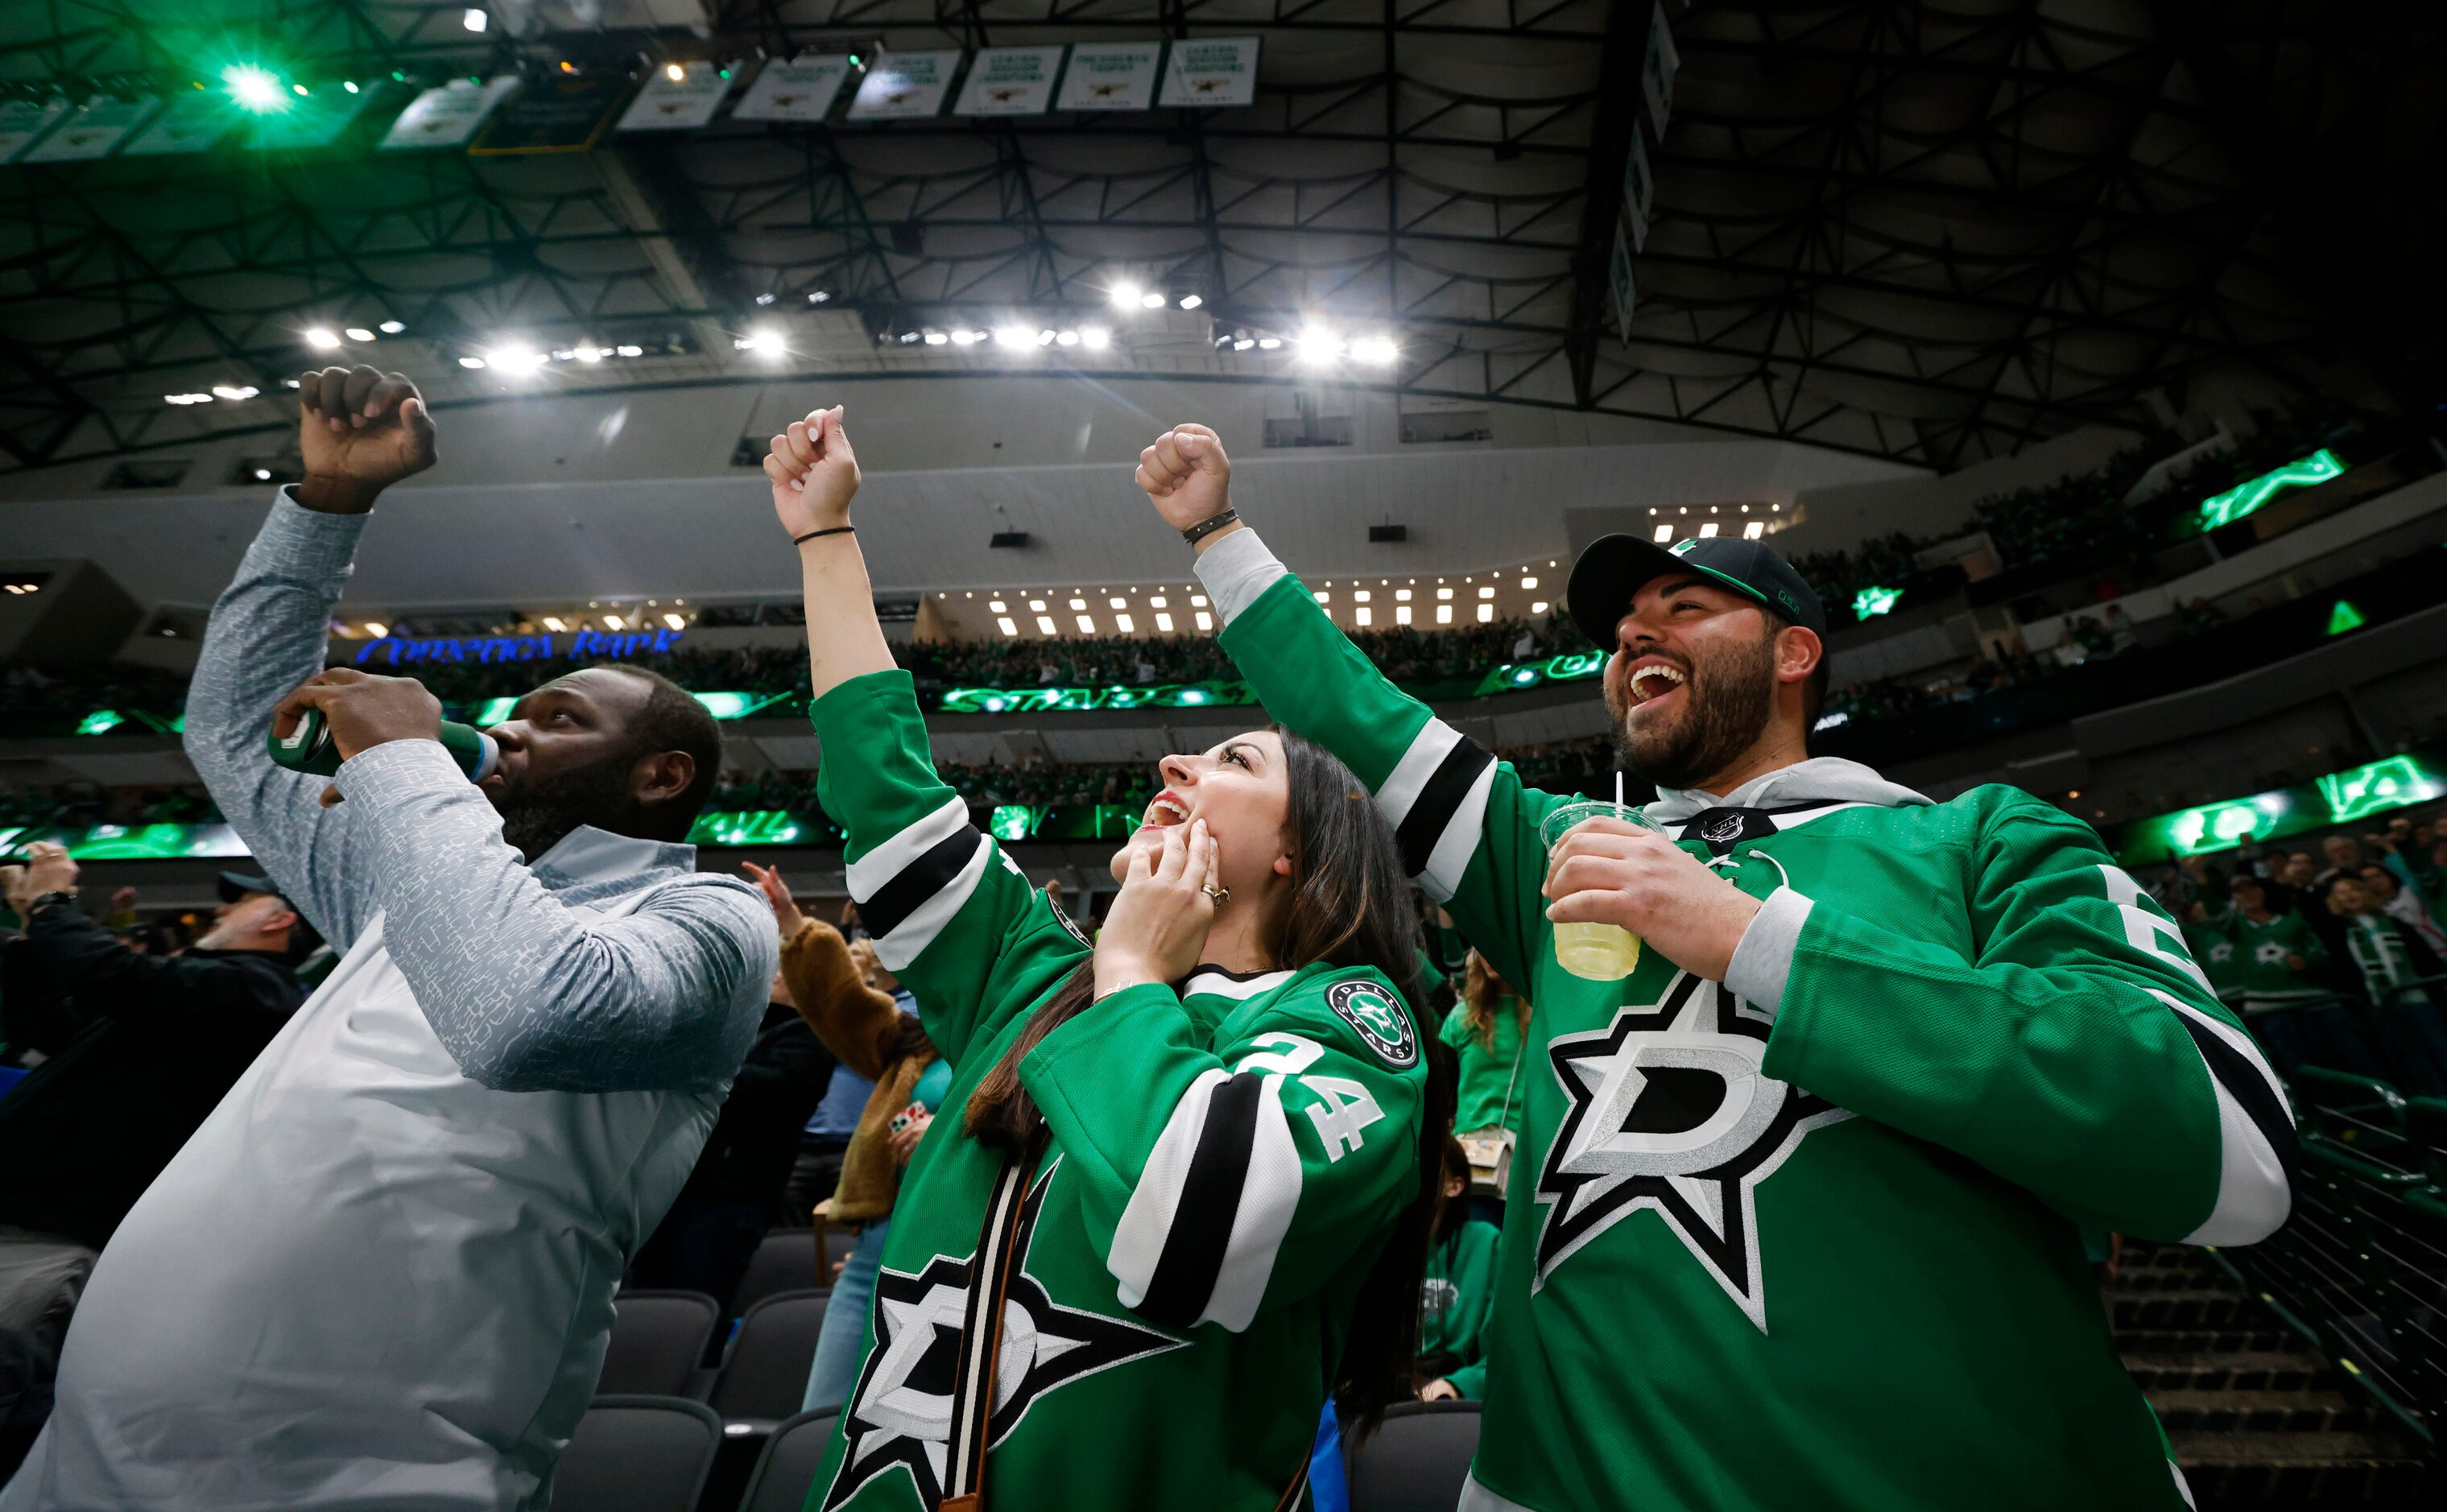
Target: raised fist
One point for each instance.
(360, 431)
(1187, 475)
(814, 471)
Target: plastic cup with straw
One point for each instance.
(1597, 952)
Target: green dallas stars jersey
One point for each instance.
(2257, 969)
(1455, 1298)
(1817, 1247)
(1224, 1167)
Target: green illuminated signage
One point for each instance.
(101, 721)
(2226, 508)
(1871, 602)
(721, 706)
(134, 842)
(749, 827)
(1513, 676)
(2339, 798)
(2345, 616)
(2391, 783)
(1075, 700)
(1015, 821)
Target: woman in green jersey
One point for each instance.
(1198, 1162)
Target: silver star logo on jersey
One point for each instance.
(2270, 953)
(1670, 1114)
(901, 1413)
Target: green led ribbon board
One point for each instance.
(1871, 602)
(131, 842)
(2244, 499)
(1056, 699)
(2339, 798)
(1513, 676)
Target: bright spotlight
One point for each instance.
(475, 19)
(1126, 293)
(1067, 339)
(1095, 338)
(1190, 301)
(1244, 344)
(1269, 342)
(516, 359)
(472, 362)
(1013, 336)
(254, 88)
(391, 327)
(765, 342)
(1319, 345)
(1379, 351)
(321, 339)
(590, 352)
(675, 72)
(350, 84)
(935, 338)
(360, 333)
(1152, 300)
(234, 391)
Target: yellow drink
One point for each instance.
(1594, 953)
(1600, 953)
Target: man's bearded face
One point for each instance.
(1689, 696)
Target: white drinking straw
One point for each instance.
(1617, 792)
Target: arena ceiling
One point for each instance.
(1926, 232)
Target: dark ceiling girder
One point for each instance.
(1609, 153)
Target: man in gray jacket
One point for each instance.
(381, 1273)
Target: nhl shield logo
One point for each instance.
(1722, 829)
(1380, 1019)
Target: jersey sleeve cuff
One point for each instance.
(1764, 959)
(1236, 571)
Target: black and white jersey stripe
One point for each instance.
(1198, 1241)
(1436, 802)
(909, 887)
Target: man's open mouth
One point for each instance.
(1651, 680)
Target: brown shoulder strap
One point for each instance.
(973, 1381)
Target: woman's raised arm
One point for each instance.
(815, 475)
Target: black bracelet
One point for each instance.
(837, 530)
(1210, 525)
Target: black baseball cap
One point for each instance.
(1614, 568)
(234, 885)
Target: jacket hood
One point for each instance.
(1819, 778)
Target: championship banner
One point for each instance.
(1211, 72)
(1638, 190)
(1618, 283)
(794, 90)
(677, 104)
(449, 116)
(1112, 76)
(315, 119)
(905, 86)
(556, 113)
(188, 123)
(1657, 72)
(21, 121)
(94, 131)
(1009, 82)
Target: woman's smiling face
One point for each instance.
(1241, 788)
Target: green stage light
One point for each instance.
(2345, 616)
(254, 88)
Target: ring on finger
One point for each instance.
(1217, 895)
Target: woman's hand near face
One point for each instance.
(1158, 922)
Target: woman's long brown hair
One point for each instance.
(1481, 992)
(1349, 906)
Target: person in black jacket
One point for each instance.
(706, 1240)
(139, 1047)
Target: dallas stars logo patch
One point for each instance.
(1380, 1021)
(901, 1413)
(1669, 1113)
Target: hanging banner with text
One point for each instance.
(905, 86)
(557, 113)
(1009, 82)
(188, 123)
(95, 130)
(1618, 283)
(684, 103)
(1657, 73)
(449, 116)
(793, 89)
(1211, 72)
(1112, 76)
(1638, 190)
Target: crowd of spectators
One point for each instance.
(2334, 953)
(79, 805)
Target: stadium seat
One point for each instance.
(657, 1337)
(765, 1376)
(1416, 1460)
(787, 1468)
(637, 1454)
(785, 1261)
